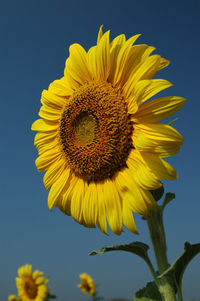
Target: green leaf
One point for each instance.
(149, 293)
(179, 265)
(158, 193)
(136, 247)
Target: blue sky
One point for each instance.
(35, 36)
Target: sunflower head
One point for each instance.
(31, 286)
(100, 139)
(87, 285)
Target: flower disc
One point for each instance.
(96, 131)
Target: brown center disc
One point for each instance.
(30, 288)
(96, 131)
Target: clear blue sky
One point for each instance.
(35, 36)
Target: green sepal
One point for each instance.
(178, 267)
(149, 293)
(168, 198)
(158, 193)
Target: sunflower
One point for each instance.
(87, 284)
(31, 286)
(100, 140)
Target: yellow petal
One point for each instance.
(19, 284)
(77, 201)
(141, 173)
(149, 200)
(145, 89)
(90, 206)
(123, 60)
(128, 219)
(139, 201)
(146, 71)
(53, 143)
(149, 68)
(100, 34)
(161, 148)
(133, 62)
(52, 100)
(57, 188)
(102, 57)
(54, 172)
(115, 47)
(92, 62)
(147, 52)
(159, 132)
(101, 221)
(13, 298)
(43, 138)
(25, 270)
(132, 105)
(163, 63)
(40, 280)
(49, 113)
(76, 68)
(21, 271)
(158, 109)
(37, 274)
(60, 87)
(47, 158)
(65, 205)
(161, 169)
(113, 206)
(42, 125)
(157, 137)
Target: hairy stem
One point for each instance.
(157, 234)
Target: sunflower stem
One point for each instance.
(93, 297)
(179, 294)
(157, 233)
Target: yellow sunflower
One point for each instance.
(99, 140)
(31, 286)
(87, 284)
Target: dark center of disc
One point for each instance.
(84, 129)
(30, 288)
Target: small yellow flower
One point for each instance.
(13, 298)
(31, 286)
(100, 139)
(87, 285)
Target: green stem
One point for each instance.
(157, 234)
(179, 294)
(93, 297)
